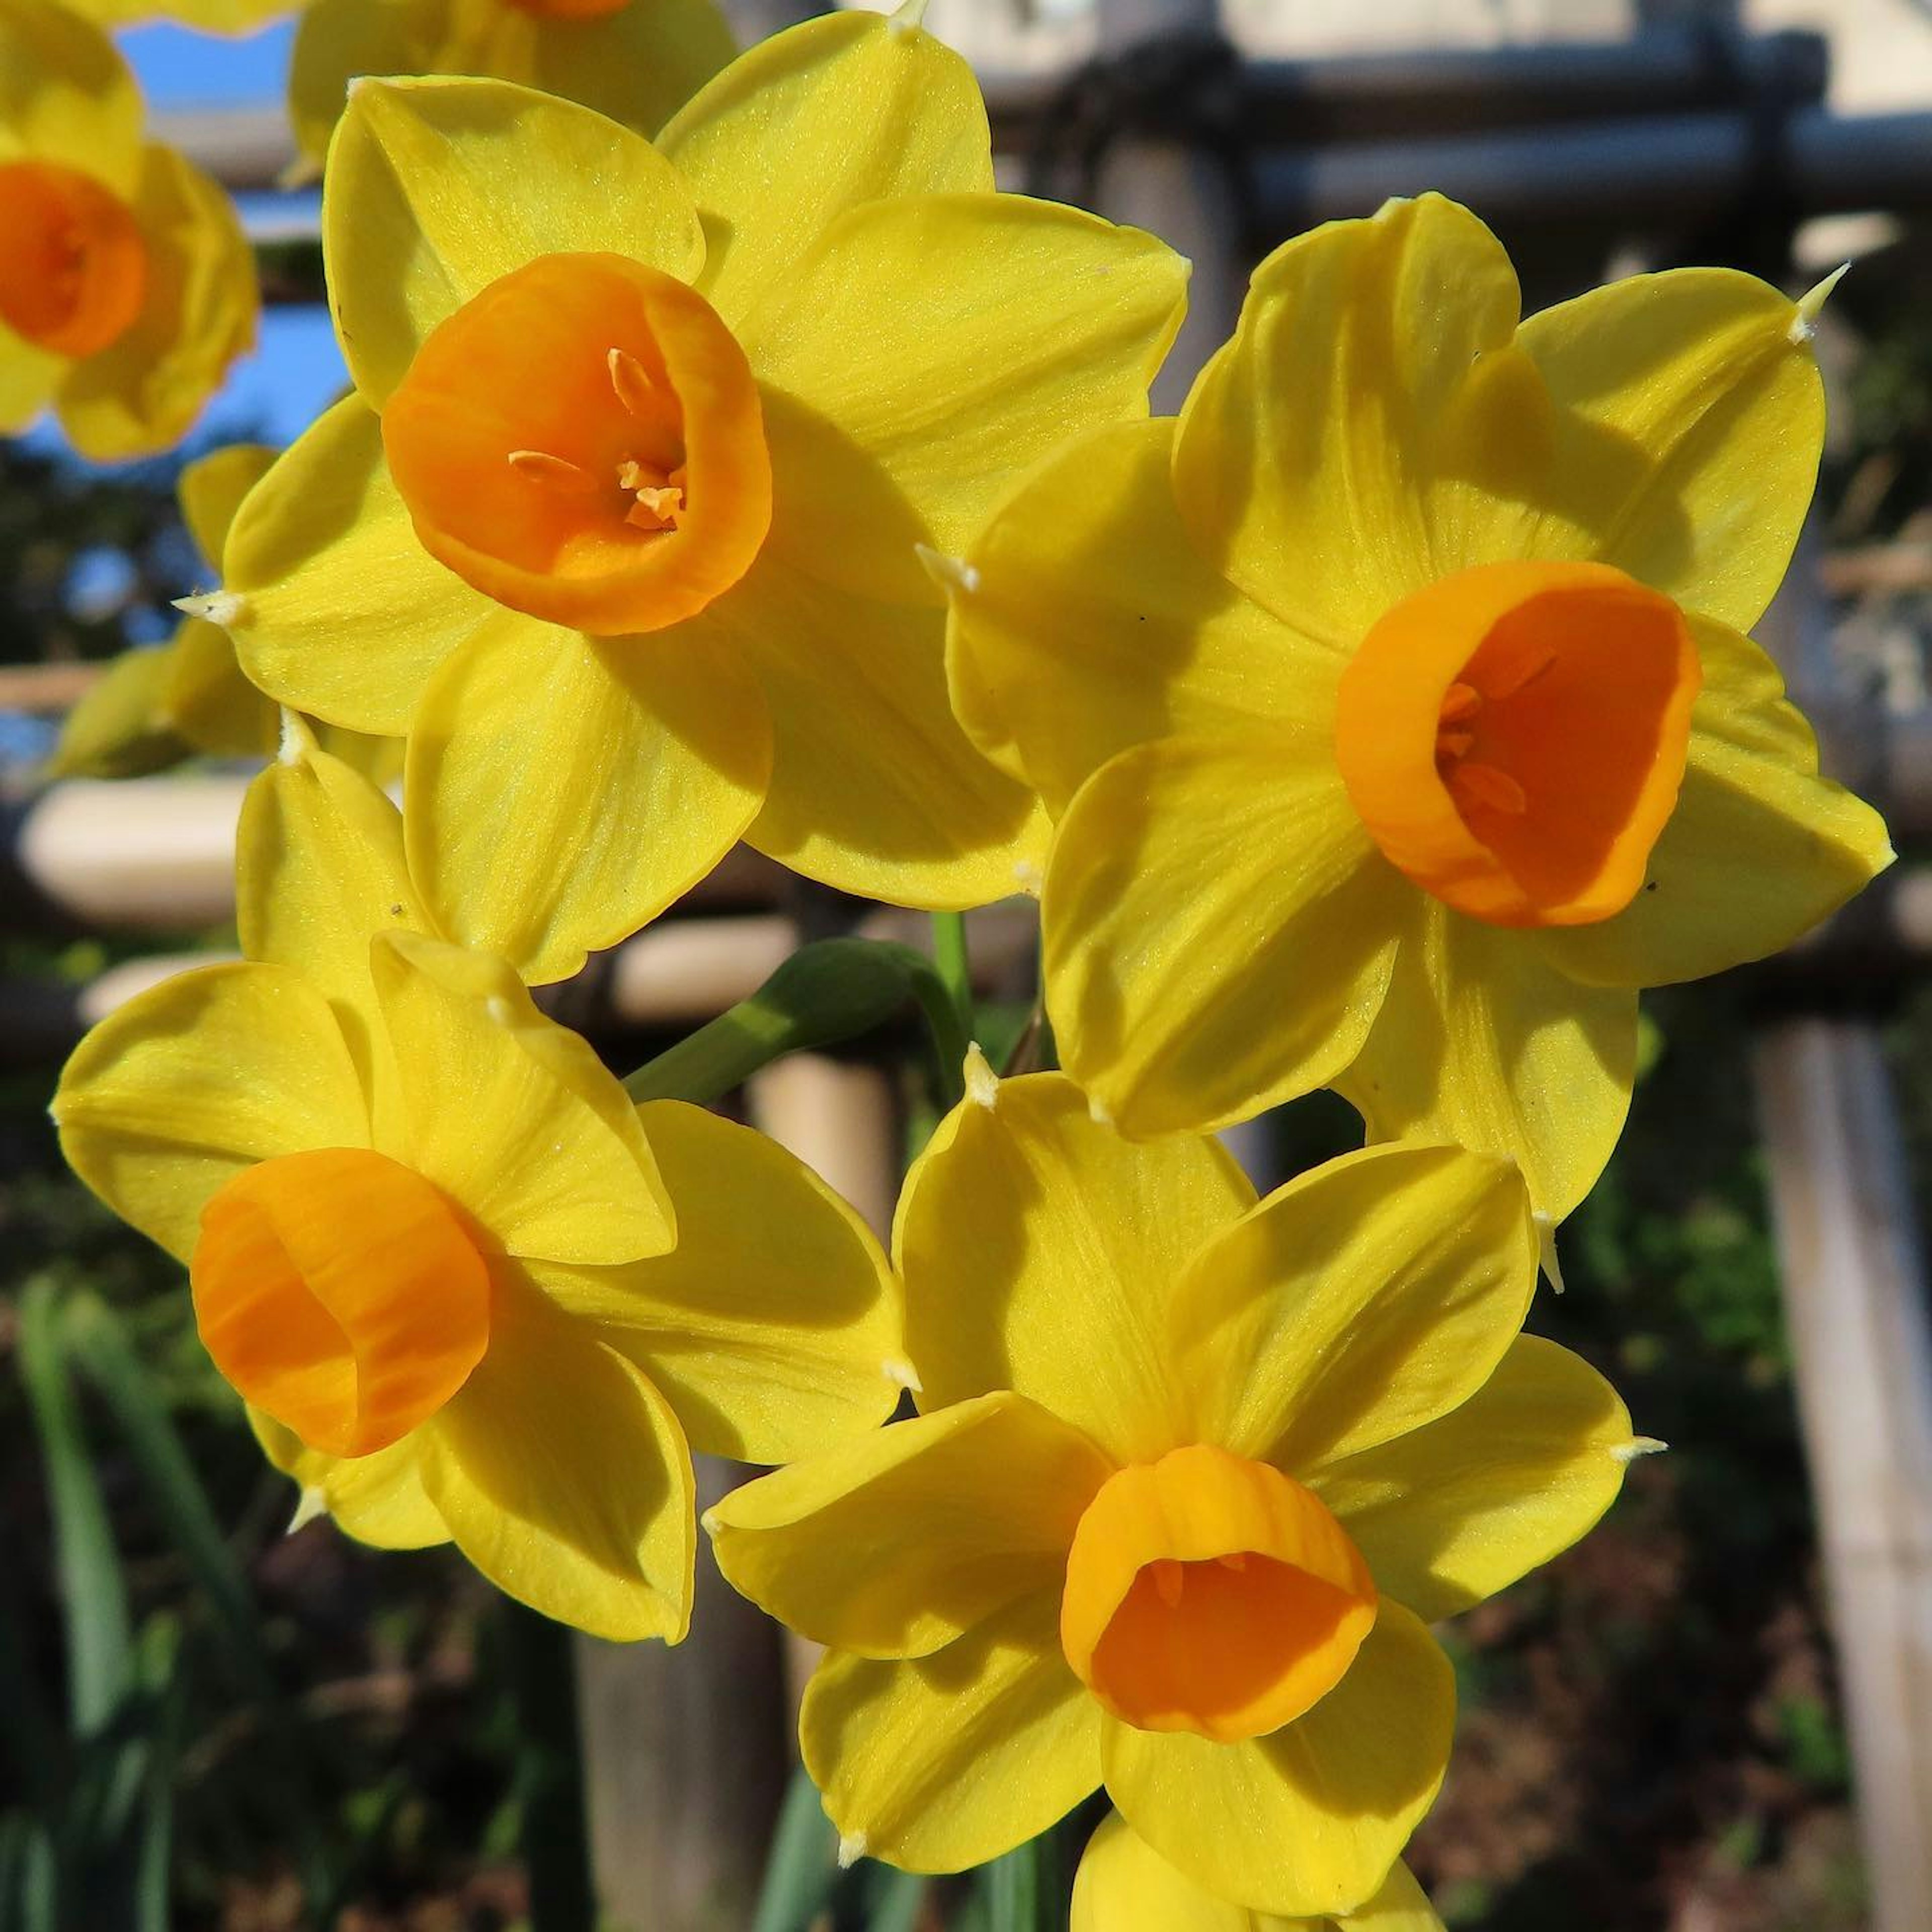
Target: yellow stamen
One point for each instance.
(635, 390)
(553, 473)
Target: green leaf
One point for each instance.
(97, 1342)
(94, 1596)
(829, 990)
(802, 1866)
(894, 1901)
(1019, 1888)
(97, 1345)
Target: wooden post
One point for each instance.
(1855, 1294)
(838, 1117)
(687, 1753)
(684, 1757)
(1178, 192)
(1854, 1282)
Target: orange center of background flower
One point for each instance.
(1514, 737)
(341, 1293)
(1207, 1594)
(73, 269)
(583, 441)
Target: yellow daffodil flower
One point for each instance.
(126, 287)
(1123, 1884)
(468, 1291)
(1394, 704)
(205, 17)
(620, 525)
(637, 60)
(1191, 1475)
(156, 706)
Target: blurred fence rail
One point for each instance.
(1673, 125)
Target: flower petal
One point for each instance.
(1364, 1299)
(1089, 623)
(1307, 1821)
(1759, 850)
(319, 870)
(209, 701)
(1463, 1506)
(1484, 1042)
(144, 392)
(773, 1327)
(874, 788)
(947, 1761)
(1351, 443)
(563, 1478)
(894, 1545)
(525, 821)
(1219, 929)
(343, 613)
(212, 488)
(1039, 1250)
(437, 186)
(1123, 1884)
(379, 1499)
(1690, 421)
(638, 65)
(67, 96)
(843, 110)
(512, 1115)
(121, 727)
(28, 377)
(197, 1079)
(909, 402)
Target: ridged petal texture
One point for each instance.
(1123, 1884)
(754, 1316)
(1150, 628)
(1097, 1327)
(918, 342)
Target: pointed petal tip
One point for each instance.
(311, 1503)
(1098, 1112)
(897, 1370)
(296, 745)
(982, 1084)
(1028, 876)
(711, 1522)
(1546, 1236)
(851, 1849)
(953, 574)
(1637, 1446)
(222, 608)
(908, 17)
(1804, 323)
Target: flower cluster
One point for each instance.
(749, 467)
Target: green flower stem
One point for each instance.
(1016, 1889)
(829, 990)
(955, 972)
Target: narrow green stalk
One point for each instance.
(955, 967)
(550, 1771)
(801, 1869)
(1016, 1888)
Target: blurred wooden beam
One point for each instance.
(1854, 1281)
(1853, 1276)
(45, 687)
